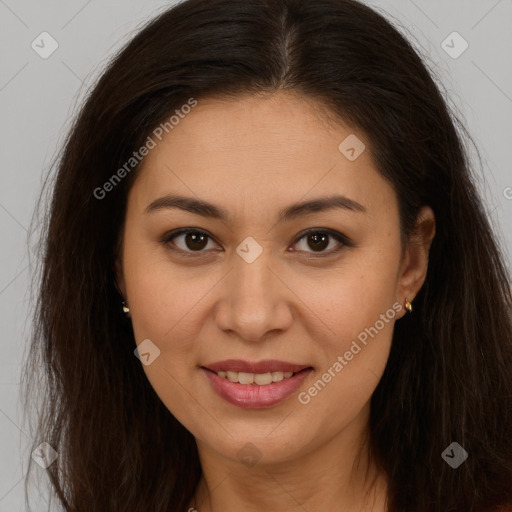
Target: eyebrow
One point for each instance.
(206, 209)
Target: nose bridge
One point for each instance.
(255, 300)
(253, 279)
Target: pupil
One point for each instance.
(318, 240)
(192, 238)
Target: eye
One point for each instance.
(192, 240)
(195, 241)
(319, 240)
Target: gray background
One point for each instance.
(38, 98)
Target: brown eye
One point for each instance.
(195, 241)
(317, 241)
(187, 240)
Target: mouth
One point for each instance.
(255, 385)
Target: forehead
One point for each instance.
(261, 151)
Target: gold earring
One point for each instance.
(408, 305)
(126, 309)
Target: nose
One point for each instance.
(255, 301)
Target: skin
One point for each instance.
(254, 156)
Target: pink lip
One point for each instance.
(253, 396)
(266, 366)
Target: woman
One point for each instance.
(268, 281)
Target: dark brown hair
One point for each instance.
(448, 377)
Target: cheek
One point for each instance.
(166, 304)
(352, 363)
(164, 301)
(352, 297)
(160, 292)
(358, 304)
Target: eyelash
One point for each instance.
(339, 237)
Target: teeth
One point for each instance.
(277, 376)
(245, 378)
(261, 379)
(233, 376)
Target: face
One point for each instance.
(259, 283)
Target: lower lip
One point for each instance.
(253, 396)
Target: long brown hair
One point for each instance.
(449, 374)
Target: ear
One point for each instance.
(414, 266)
(119, 276)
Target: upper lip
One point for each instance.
(265, 366)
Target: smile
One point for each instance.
(257, 389)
